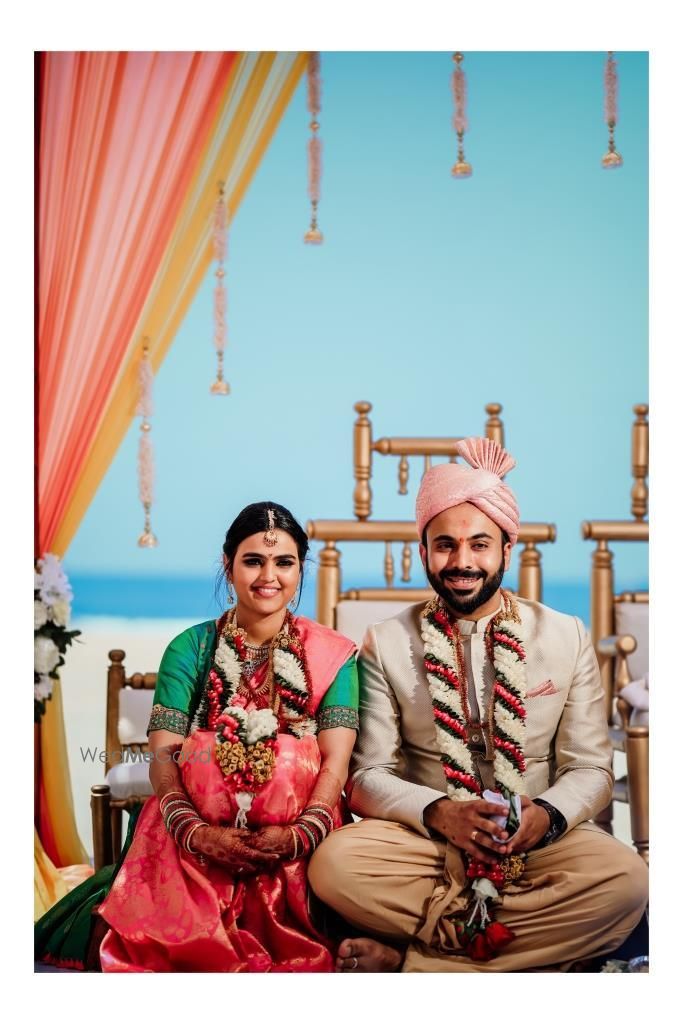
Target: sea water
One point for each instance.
(194, 599)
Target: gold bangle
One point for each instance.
(187, 840)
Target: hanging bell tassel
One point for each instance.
(220, 241)
(460, 169)
(612, 159)
(145, 450)
(314, 235)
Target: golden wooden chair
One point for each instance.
(129, 705)
(403, 448)
(352, 610)
(619, 628)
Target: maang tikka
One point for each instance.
(270, 536)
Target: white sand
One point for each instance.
(84, 688)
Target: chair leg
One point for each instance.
(100, 797)
(116, 816)
(637, 748)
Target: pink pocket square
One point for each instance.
(544, 690)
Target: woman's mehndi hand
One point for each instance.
(277, 839)
(232, 848)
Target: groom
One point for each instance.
(482, 756)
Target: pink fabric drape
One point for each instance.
(121, 135)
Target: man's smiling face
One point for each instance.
(465, 559)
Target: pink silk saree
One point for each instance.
(168, 913)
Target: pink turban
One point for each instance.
(450, 484)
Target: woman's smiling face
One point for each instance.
(265, 578)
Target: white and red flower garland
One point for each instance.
(505, 721)
(246, 739)
(292, 681)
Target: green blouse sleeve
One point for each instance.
(181, 677)
(339, 706)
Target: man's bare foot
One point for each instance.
(366, 956)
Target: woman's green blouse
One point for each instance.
(185, 666)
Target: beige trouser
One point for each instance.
(579, 897)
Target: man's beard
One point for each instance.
(466, 604)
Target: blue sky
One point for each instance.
(526, 284)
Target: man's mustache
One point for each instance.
(462, 574)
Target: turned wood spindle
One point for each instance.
(403, 475)
(530, 585)
(602, 613)
(329, 583)
(637, 749)
(624, 646)
(388, 564)
(116, 680)
(493, 427)
(640, 462)
(100, 807)
(406, 562)
(362, 461)
(428, 464)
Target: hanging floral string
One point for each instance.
(461, 169)
(145, 452)
(612, 158)
(314, 235)
(220, 243)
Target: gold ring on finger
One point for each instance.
(473, 837)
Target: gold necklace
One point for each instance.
(255, 656)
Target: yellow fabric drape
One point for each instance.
(257, 95)
(48, 884)
(56, 781)
(51, 883)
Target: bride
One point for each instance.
(253, 724)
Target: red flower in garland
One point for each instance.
(479, 948)
(485, 943)
(498, 935)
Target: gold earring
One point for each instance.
(231, 593)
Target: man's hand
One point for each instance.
(468, 824)
(231, 847)
(535, 824)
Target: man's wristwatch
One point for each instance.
(558, 823)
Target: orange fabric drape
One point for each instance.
(120, 138)
(257, 95)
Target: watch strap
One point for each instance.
(558, 823)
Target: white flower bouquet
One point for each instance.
(51, 612)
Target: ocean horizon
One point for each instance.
(194, 599)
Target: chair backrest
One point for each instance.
(403, 448)
(129, 705)
(387, 600)
(352, 610)
(621, 614)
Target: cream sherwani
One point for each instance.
(389, 875)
